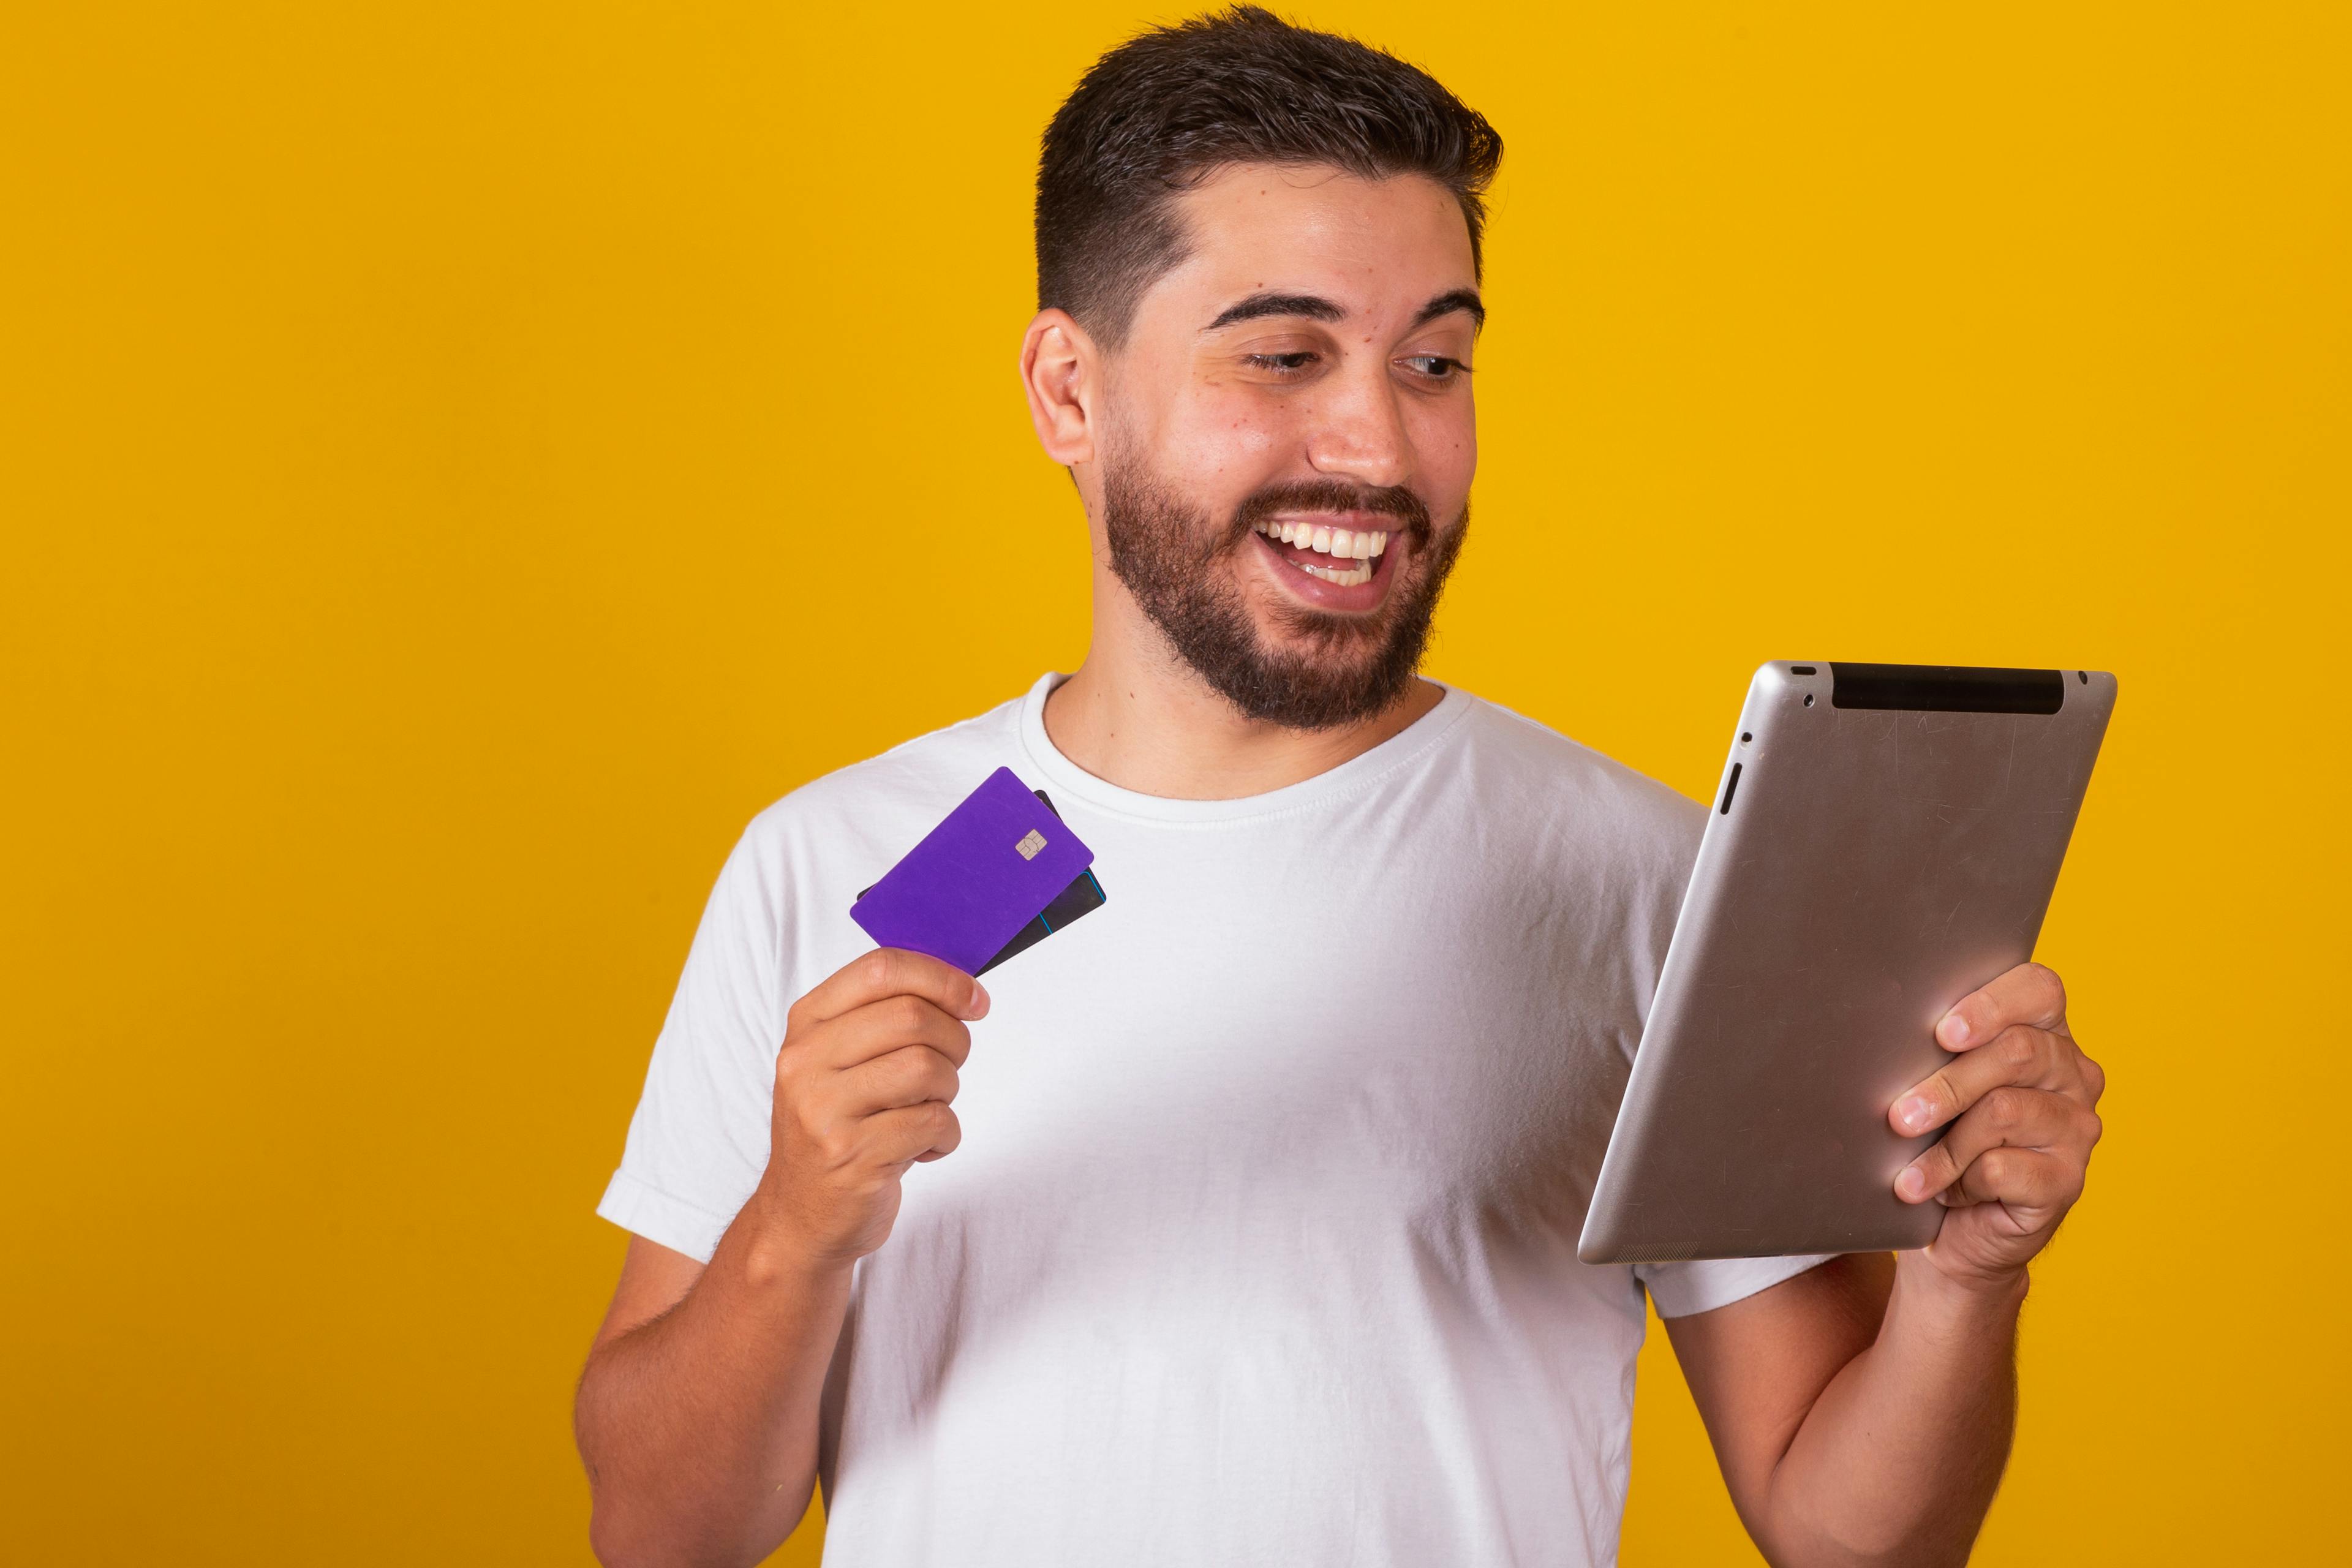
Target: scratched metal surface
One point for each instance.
(1876, 867)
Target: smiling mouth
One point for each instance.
(1348, 553)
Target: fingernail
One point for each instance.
(979, 1000)
(1956, 1029)
(1911, 1183)
(1911, 1112)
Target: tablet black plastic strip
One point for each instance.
(1946, 688)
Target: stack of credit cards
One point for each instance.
(998, 876)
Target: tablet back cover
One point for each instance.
(1884, 841)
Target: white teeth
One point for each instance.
(1352, 545)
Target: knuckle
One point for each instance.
(924, 1075)
(904, 1015)
(1996, 1170)
(2002, 1110)
(878, 967)
(2094, 1129)
(2020, 1049)
(836, 1144)
(2052, 987)
(2095, 1076)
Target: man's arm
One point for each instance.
(1859, 1418)
(1862, 1411)
(697, 1416)
(698, 1412)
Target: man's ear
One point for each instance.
(1061, 371)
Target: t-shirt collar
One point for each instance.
(1066, 780)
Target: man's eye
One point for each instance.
(1436, 367)
(1281, 364)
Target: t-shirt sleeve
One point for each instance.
(1682, 1288)
(699, 1142)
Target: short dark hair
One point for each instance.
(1172, 105)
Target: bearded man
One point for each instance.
(1252, 1237)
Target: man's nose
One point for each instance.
(1359, 433)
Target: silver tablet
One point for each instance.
(1884, 841)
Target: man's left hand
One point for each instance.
(2019, 1095)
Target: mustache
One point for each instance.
(1394, 501)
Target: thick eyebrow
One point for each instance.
(1314, 306)
(1445, 304)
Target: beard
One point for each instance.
(1329, 669)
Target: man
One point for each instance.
(1253, 1237)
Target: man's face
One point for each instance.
(1288, 437)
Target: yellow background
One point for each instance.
(446, 450)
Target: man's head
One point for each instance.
(1258, 268)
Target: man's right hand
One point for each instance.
(735, 1353)
(864, 1083)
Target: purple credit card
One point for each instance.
(976, 880)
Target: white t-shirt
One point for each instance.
(1260, 1245)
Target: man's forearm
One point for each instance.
(700, 1428)
(1899, 1457)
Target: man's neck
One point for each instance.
(1152, 726)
